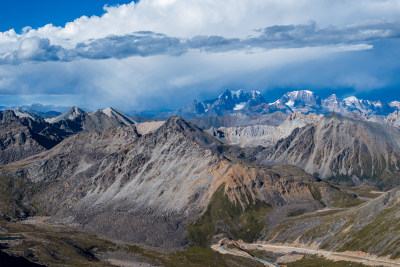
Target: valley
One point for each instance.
(100, 189)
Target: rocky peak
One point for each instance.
(333, 97)
(8, 115)
(70, 114)
(176, 126)
(351, 100)
(395, 104)
(304, 101)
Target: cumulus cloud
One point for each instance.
(33, 49)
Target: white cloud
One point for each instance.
(231, 18)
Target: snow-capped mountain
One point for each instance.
(44, 108)
(333, 103)
(395, 104)
(227, 103)
(366, 107)
(303, 101)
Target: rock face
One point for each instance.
(21, 137)
(343, 148)
(76, 120)
(148, 127)
(148, 188)
(262, 135)
(393, 119)
(238, 119)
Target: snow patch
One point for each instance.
(237, 93)
(290, 103)
(308, 92)
(350, 99)
(239, 106)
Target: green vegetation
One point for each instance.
(316, 194)
(13, 194)
(380, 234)
(344, 200)
(55, 246)
(194, 256)
(64, 246)
(341, 178)
(361, 191)
(223, 216)
(314, 261)
(295, 213)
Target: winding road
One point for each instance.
(222, 248)
(288, 249)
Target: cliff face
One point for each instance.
(23, 137)
(342, 148)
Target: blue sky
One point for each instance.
(17, 14)
(161, 54)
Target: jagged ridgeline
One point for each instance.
(177, 179)
(342, 149)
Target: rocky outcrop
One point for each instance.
(262, 135)
(239, 120)
(148, 127)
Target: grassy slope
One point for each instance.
(314, 261)
(64, 246)
(223, 216)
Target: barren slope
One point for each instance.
(148, 188)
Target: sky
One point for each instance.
(162, 54)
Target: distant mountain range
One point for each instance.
(38, 107)
(253, 104)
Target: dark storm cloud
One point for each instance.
(34, 49)
(289, 36)
(144, 44)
